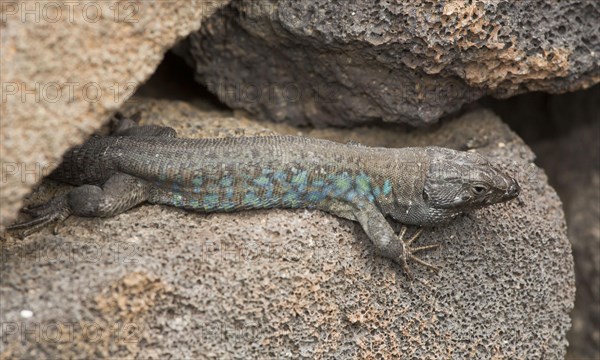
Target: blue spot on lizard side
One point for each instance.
(262, 181)
(318, 183)
(363, 184)
(387, 187)
(315, 196)
(177, 199)
(229, 192)
(350, 195)
(341, 183)
(376, 191)
(197, 183)
(211, 201)
(251, 200)
(226, 181)
(291, 199)
(280, 175)
(300, 180)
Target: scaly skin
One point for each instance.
(414, 186)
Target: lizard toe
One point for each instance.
(56, 210)
(412, 250)
(37, 210)
(424, 263)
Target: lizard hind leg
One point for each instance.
(119, 193)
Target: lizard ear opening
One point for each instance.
(425, 195)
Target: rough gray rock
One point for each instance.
(159, 282)
(340, 63)
(66, 66)
(573, 165)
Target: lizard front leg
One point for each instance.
(388, 244)
(119, 193)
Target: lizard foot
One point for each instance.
(410, 251)
(54, 211)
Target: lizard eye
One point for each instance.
(479, 190)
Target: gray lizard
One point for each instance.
(420, 186)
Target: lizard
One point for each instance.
(420, 186)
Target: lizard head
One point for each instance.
(460, 181)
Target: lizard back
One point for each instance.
(230, 174)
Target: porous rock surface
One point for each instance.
(159, 282)
(66, 66)
(343, 63)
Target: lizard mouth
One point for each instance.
(512, 191)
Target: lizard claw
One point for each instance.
(54, 211)
(410, 251)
